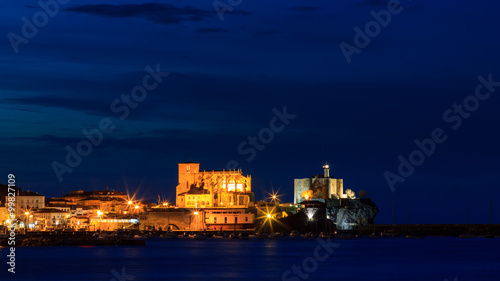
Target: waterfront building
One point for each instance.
(49, 218)
(27, 201)
(228, 219)
(319, 187)
(322, 197)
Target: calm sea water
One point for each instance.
(430, 258)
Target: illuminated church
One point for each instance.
(207, 189)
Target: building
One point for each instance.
(49, 218)
(322, 198)
(228, 219)
(109, 202)
(26, 201)
(216, 188)
(77, 195)
(319, 187)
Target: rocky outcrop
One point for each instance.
(352, 213)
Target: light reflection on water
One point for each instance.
(228, 259)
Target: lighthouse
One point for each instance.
(326, 167)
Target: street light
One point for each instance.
(27, 220)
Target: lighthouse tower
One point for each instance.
(326, 167)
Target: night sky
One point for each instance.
(230, 72)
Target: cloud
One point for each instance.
(305, 9)
(154, 12)
(375, 3)
(268, 32)
(212, 30)
(91, 106)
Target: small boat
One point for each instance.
(325, 235)
(345, 236)
(218, 235)
(243, 235)
(313, 235)
(259, 235)
(390, 234)
(199, 236)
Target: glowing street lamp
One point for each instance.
(130, 202)
(27, 219)
(273, 196)
(136, 206)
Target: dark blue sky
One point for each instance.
(226, 76)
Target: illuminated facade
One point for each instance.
(319, 188)
(205, 189)
(27, 201)
(228, 219)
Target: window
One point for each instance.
(236, 220)
(215, 219)
(225, 219)
(246, 219)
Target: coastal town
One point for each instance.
(206, 200)
(208, 203)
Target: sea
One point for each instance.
(429, 258)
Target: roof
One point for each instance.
(29, 193)
(196, 191)
(49, 210)
(81, 193)
(61, 205)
